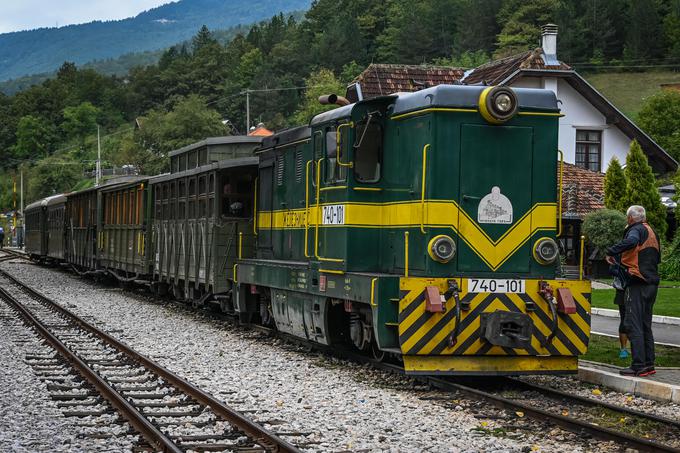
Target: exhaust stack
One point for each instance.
(328, 99)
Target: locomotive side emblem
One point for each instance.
(495, 208)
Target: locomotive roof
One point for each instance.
(211, 141)
(285, 137)
(451, 96)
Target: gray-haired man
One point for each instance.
(640, 256)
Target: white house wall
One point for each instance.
(580, 114)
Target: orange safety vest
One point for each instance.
(630, 258)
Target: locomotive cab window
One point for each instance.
(368, 151)
(334, 171)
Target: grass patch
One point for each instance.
(663, 283)
(606, 350)
(629, 90)
(666, 301)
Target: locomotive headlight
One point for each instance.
(498, 104)
(546, 251)
(503, 103)
(441, 248)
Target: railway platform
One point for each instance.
(662, 386)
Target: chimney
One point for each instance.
(549, 44)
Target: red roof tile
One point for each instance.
(384, 79)
(494, 72)
(582, 191)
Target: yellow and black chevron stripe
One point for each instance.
(425, 333)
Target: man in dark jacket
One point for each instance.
(640, 255)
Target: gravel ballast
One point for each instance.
(330, 405)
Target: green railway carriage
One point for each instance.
(421, 225)
(202, 219)
(36, 229)
(55, 213)
(124, 225)
(82, 219)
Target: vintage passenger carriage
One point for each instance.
(203, 217)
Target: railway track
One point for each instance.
(169, 413)
(579, 421)
(549, 410)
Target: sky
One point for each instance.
(18, 15)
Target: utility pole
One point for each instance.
(247, 111)
(21, 209)
(98, 170)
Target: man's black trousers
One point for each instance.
(639, 300)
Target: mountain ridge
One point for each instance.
(44, 49)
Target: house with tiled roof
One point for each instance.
(592, 130)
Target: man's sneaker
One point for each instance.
(648, 371)
(623, 353)
(629, 372)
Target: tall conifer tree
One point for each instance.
(641, 189)
(615, 186)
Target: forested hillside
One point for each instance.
(45, 49)
(49, 130)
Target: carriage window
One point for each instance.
(192, 187)
(193, 160)
(138, 219)
(181, 210)
(203, 157)
(182, 188)
(368, 151)
(192, 210)
(211, 206)
(211, 183)
(201, 185)
(201, 209)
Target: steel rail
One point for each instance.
(569, 423)
(153, 435)
(556, 393)
(268, 440)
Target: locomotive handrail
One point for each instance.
(580, 261)
(559, 203)
(318, 214)
(338, 141)
(255, 208)
(422, 189)
(307, 255)
(405, 253)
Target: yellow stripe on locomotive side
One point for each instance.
(436, 213)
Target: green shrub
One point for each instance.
(604, 228)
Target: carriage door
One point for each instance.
(264, 204)
(495, 193)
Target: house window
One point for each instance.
(589, 149)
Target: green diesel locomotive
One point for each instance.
(423, 226)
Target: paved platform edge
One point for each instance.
(615, 314)
(646, 388)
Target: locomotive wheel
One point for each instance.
(377, 353)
